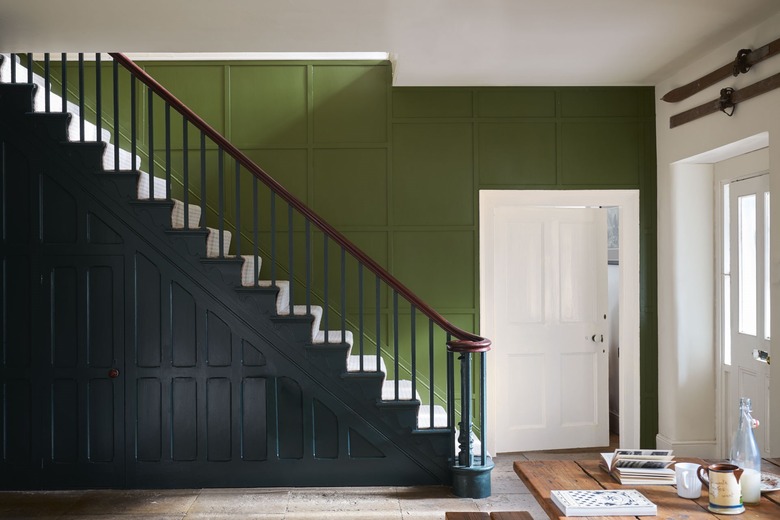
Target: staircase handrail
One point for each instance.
(465, 342)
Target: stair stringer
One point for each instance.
(145, 230)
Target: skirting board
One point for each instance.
(701, 449)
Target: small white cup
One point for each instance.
(688, 484)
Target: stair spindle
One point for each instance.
(64, 86)
(133, 133)
(343, 295)
(378, 320)
(115, 74)
(413, 347)
(238, 209)
(203, 179)
(150, 116)
(256, 224)
(273, 238)
(360, 311)
(221, 200)
(326, 308)
(98, 97)
(290, 255)
(431, 373)
(185, 166)
(82, 117)
(308, 266)
(395, 344)
(47, 83)
(168, 152)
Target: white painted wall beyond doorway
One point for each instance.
(628, 202)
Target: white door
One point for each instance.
(550, 344)
(746, 367)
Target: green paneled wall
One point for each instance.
(398, 170)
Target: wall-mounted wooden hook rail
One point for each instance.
(717, 105)
(741, 64)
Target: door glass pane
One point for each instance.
(727, 319)
(747, 264)
(726, 278)
(726, 233)
(767, 299)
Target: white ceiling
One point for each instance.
(432, 42)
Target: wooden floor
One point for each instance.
(369, 503)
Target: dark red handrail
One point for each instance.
(465, 342)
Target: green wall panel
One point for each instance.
(200, 87)
(602, 102)
(516, 102)
(350, 103)
(290, 169)
(375, 245)
(437, 266)
(517, 153)
(433, 179)
(350, 185)
(601, 153)
(432, 102)
(268, 105)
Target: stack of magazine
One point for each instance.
(639, 467)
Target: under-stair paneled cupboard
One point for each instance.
(274, 282)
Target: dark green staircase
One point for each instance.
(144, 348)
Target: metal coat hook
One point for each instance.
(725, 102)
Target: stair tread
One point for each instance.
(334, 336)
(369, 363)
(424, 417)
(177, 215)
(404, 390)
(212, 242)
(248, 271)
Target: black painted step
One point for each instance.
(16, 98)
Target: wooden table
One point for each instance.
(541, 476)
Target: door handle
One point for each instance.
(761, 355)
(593, 338)
(113, 373)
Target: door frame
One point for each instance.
(628, 203)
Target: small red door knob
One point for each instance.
(113, 373)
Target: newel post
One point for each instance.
(470, 471)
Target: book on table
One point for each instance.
(603, 502)
(639, 467)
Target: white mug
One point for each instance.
(688, 483)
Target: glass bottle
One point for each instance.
(745, 454)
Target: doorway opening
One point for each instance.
(626, 202)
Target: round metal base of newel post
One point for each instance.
(473, 482)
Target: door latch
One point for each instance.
(761, 355)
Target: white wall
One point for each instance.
(686, 290)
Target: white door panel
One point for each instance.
(550, 340)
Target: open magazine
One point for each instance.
(639, 467)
